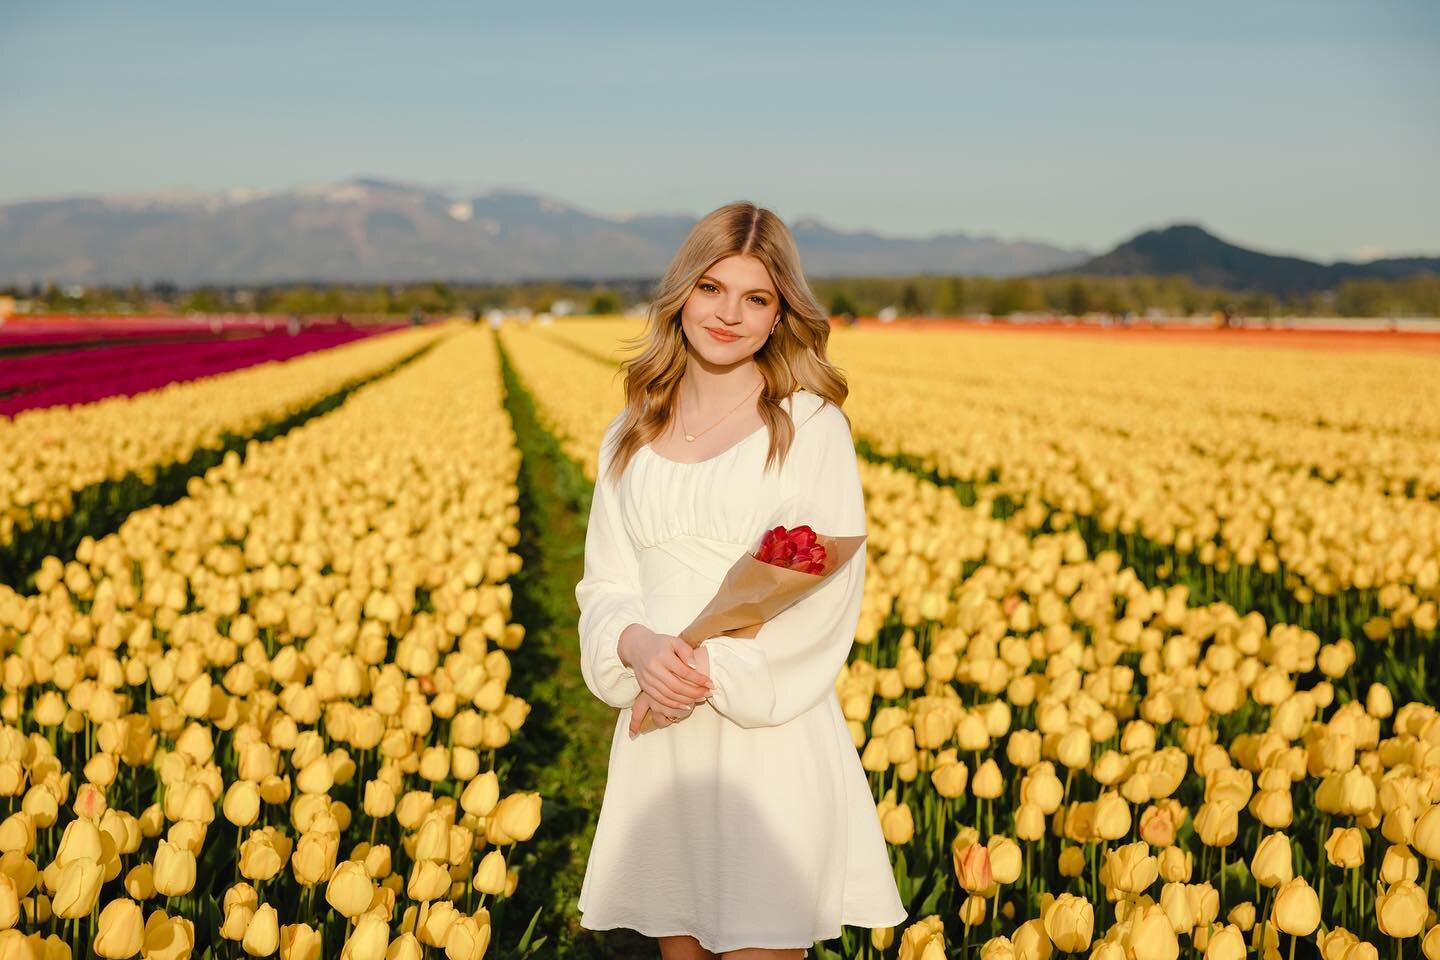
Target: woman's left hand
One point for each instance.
(643, 705)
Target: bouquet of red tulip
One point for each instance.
(783, 567)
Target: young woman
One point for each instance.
(743, 827)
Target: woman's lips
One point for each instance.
(722, 336)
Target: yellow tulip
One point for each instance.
(481, 794)
(1030, 940)
(174, 872)
(1272, 863)
(242, 803)
(405, 947)
(1069, 922)
(1226, 943)
(1427, 834)
(490, 878)
(996, 948)
(1345, 848)
(467, 939)
(167, 938)
(1006, 860)
(433, 927)
(898, 824)
(950, 779)
(121, 929)
(519, 815)
(1112, 816)
(1150, 935)
(973, 910)
(9, 903)
(1217, 823)
(1296, 910)
(429, 879)
(916, 939)
(1336, 943)
(262, 933)
(1431, 943)
(350, 890)
(988, 783)
(1176, 865)
(368, 940)
(77, 889)
(1401, 910)
(299, 941)
(1072, 862)
(1130, 869)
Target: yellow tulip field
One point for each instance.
(1145, 668)
(271, 716)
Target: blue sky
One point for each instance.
(1310, 128)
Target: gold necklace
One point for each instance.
(690, 437)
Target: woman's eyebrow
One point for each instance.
(756, 290)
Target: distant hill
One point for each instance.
(368, 230)
(1190, 250)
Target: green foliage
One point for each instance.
(563, 750)
(927, 295)
(605, 303)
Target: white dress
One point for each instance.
(749, 823)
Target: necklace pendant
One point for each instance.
(689, 436)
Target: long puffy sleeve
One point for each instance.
(792, 662)
(608, 593)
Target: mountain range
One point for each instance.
(368, 230)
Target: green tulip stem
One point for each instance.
(1028, 893)
(1222, 879)
(1355, 891)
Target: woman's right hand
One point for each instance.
(662, 665)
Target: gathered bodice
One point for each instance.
(689, 522)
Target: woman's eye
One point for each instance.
(709, 287)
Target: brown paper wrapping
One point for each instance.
(753, 591)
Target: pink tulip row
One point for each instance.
(84, 376)
(60, 330)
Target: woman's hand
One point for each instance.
(666, 668)
(663, 718)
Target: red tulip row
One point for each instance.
(84, 375)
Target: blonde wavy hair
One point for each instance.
(792, 358)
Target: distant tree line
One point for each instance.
(913, 296)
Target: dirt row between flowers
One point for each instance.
(565, 750)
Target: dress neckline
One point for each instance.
(734, 446)
(695, 463)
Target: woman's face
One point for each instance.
(730, 311)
